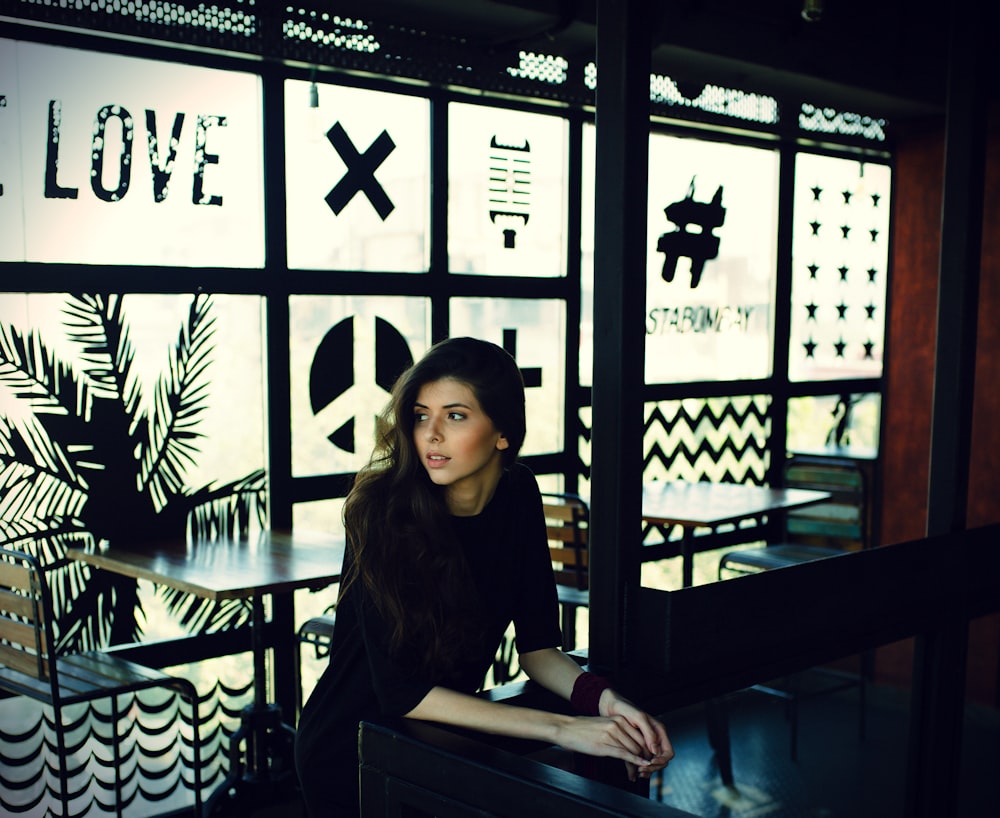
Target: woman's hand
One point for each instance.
(621, 731)
(656, 747)
(611, 736)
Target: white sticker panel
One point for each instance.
(840, 261)
(357, 179)
(346, 353)
(534, 332)
(507, 185)
(129, 161)
(710, 260)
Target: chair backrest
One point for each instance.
(566, 521)
(841, 522)
(26, 638)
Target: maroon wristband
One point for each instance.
(586, 695)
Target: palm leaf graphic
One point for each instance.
(180, 399)
(82, 462)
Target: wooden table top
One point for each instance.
(271, 562)
(711, 504)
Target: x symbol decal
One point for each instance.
(360, 174)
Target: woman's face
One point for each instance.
(456, 440)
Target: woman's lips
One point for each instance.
(436, 461)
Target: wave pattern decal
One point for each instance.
(155, 761)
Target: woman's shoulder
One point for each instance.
(522, 478)
(522, 492)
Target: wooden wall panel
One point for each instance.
(909, 374)
(910, 377)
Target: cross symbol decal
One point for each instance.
(360, 174)
(533, 374)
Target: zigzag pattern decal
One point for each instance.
(723, 440)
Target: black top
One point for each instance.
(507, 553)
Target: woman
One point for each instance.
(446, 547)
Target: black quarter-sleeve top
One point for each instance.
(507, 553)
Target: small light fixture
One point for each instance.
(313, 116)
(812, 10)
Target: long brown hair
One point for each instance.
(398, 526)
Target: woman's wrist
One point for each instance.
(587, 691)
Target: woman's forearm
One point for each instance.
(637, 741)
(552, 669)
(462, 710)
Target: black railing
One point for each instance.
(414, 769)
(709, 640)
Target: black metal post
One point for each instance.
(279, 445)
(939, 665)
(622, 148)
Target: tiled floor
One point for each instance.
(837, 775)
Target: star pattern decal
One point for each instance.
(838, 293)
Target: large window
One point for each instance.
(116, 163)
(181, 346)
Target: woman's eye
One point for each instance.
(456, 416)
(419, 416)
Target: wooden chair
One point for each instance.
(817, 531)
(30, 667)
(567, 520)
(820, 531)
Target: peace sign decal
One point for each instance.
(351, 375)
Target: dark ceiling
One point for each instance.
(883, 57)
(878, 58)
